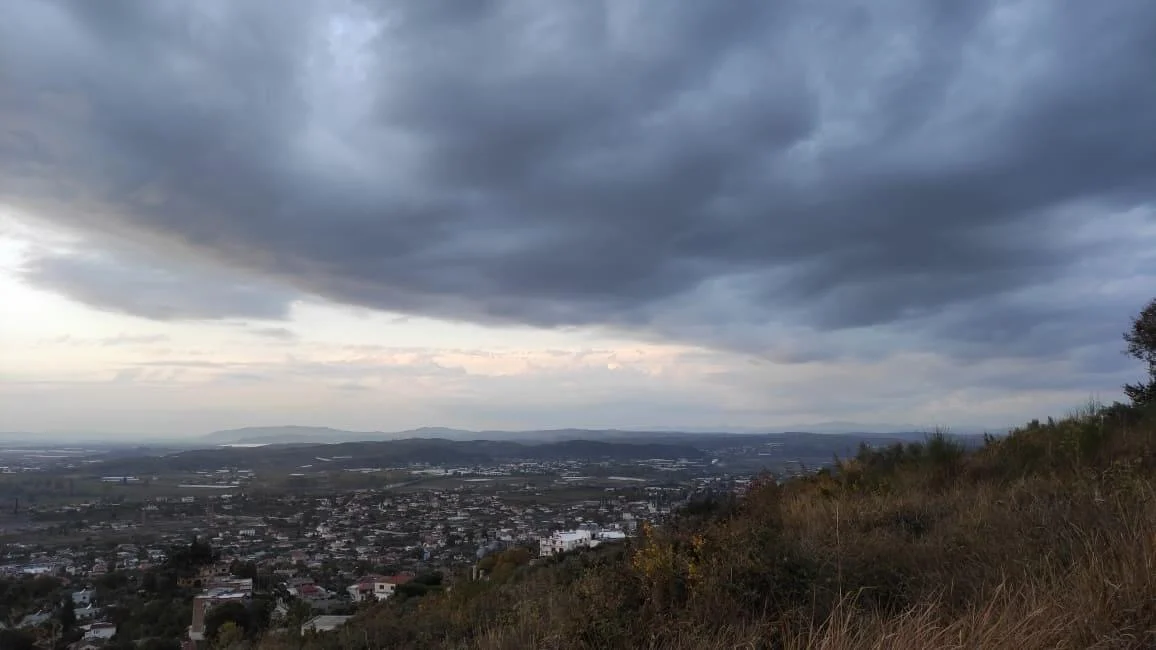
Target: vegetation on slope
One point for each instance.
(1045, 538)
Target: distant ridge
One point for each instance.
(291, 434)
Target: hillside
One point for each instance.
(1043, 539)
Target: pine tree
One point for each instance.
(67, 614)
(1141, 340)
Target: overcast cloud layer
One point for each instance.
(806, 180)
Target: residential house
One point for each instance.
(385, 587)
(32, 620)
(83, 597)
(360, 590)
(324, 623)
(100, 631)
(377, 587)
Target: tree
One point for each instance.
(149, 582)
(230, 636)
(67, 614)
(17, 640)
(230, 612)
(299, 612)
(1141, 340)
(243, 569)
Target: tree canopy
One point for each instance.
(1141, 340)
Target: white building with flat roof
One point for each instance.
(564, 542)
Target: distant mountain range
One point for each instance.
(303, 434)
(299, 434)
(290, 434)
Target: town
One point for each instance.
(313, 558)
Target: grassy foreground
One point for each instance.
(1041, 539)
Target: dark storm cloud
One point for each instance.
(153, 292)
(696, 169)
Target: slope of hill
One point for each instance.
(1043, 539)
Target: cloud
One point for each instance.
(804, 180)
(153, 290)
(120, 340)
(398, 388)
(276, 333)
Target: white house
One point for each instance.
(32, 620)
(563, 542)
(383, 589)
(360, 590)
(83, 597)
(379, 587)
(100, 631)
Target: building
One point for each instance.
(215, 571)
(213, 597)
(564, 542)
(37, 618)
(360, 590)
(378, 587)
(309, 591)
(100, 631)
(83, 597)
(324, 623)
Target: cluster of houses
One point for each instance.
(95, 631)
(436, 528)
(220, 587)
(79, 561)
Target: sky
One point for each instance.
(526, 214)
